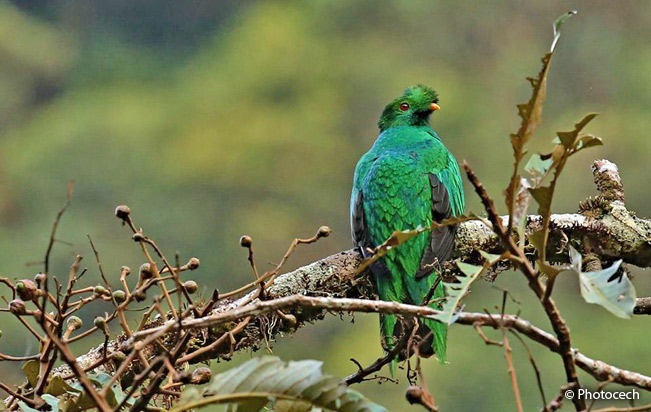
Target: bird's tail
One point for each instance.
(387, 329)
(433, 334)
(439, 330)
(438, 338)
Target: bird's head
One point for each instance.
(411, 109)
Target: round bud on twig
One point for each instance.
(414, 394)
(125, 271)
(190, 286)
(100, 290)
(100, 322)
(119, 296)
(246, 241)
(324, 231)
(201, 375)
(40, 278)
(122, 212)
(27, 290)
(17, 307)
(146, 272)
(118, 357)
(290, 320)
(139, 295)
(193, 263)
(74, 323)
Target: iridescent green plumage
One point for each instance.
(408, 179)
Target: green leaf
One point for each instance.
(615, 295)
(543, 196)
(292, 386)
(569, 139)
(52, 401)
(530, 113)
(536, 239)
(456, 291)
(114, 395)
(490, 257)
(31, 369)
(57, 386)
(557, 27)
(537, 166)
(25, 408)
(586, 141)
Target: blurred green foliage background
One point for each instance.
(217, 119)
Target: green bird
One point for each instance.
(406, 180)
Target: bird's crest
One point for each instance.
(413, 108)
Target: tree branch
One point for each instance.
(613, 232)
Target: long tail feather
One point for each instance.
(440, 330)
(387, 327)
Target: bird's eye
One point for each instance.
(404, 107)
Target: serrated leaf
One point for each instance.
(615, 295)
(543, 196)
(537, 166)
(536, 239)
(292, 386)
(114, 395)
(53, 401)
(58, 386)
(569, 139)
(454, 292)
(490, 257)
(550, 271)
(586, 141)
(31, 369)
(530, 113)
(25, 408)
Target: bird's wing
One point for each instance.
(361, 238)
(447, 201)
(439, 248)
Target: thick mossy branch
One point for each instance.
(613, 233)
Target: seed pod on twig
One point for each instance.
(289, 321)
(201, 375)
(40, 278)
(74, 323)
(190, 286)
(146, 271)
(193, 263)
(414, 395)
(125, 271)
(118, 357)
(100, 290)
(100, 322)
(119, 296)
(17, 307)
(28, 290)
(122, 212)
(246, 241)
(324, 231)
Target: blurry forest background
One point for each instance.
(216, 119)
